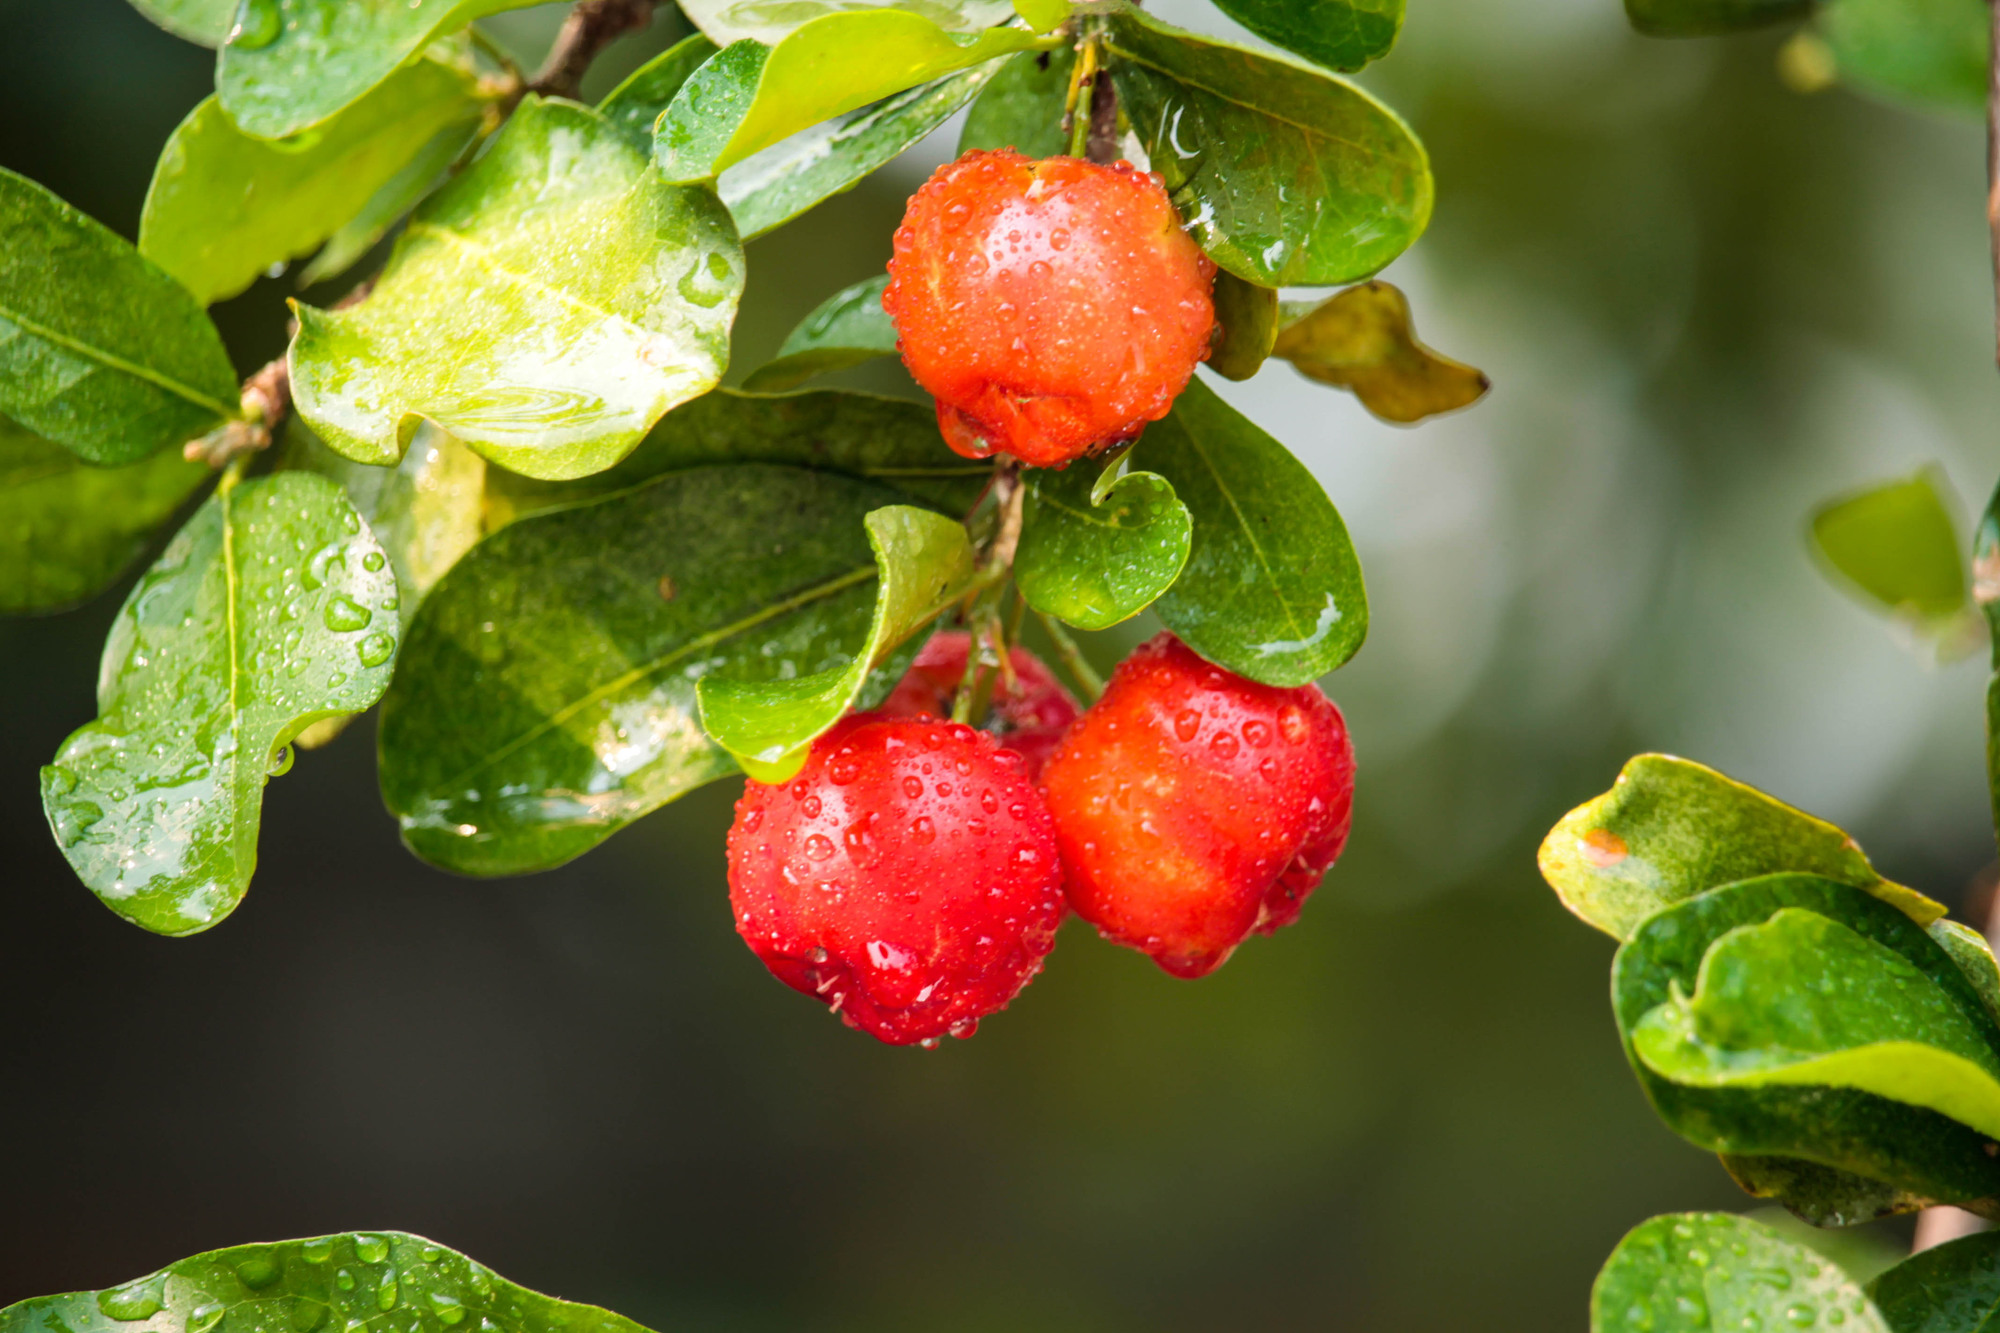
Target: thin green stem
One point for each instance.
(1071, 657)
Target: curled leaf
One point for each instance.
(1362, 339)
(1247, 318)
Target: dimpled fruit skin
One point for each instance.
(907, 877)
(1193, 806)
(1051, 307)
(1029, 719)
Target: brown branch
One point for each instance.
(590, 27)
(1009, 495)
(1103, 147)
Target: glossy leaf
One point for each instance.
(1974, 956)
(69, 529)
(1286, 176)
(425, 172)
(1339, 34)
(770, 21)
(99, 350)
(1897, 546)
(1246, 319)
(1272, 587)
(296, 63)
(1821, 1196)
(1362, 339)
(1949, 1288)
(1922, 52)
(545, 308)
(924, 563)
(1670, 828)
(637, 103)
(271, 609)
(1707, 1272)
(751, 96)
(224, 207)
(203, 22)
(1022, 106)
(353, 1279)
(1097, 551)
(844, 330)
(1710, 18)
(547, 695)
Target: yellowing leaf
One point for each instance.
(1362, 340)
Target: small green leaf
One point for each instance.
(1272, 587)
(635, 105)
(224, 207)
(1022, 107)
(1671, 828)
(1926, 53)
(1246, 318)
(203, 22)
(1094, 551)
(429, 169)
(296, 63)
(1704, 1272)
(1286, 176)
(545, 308)
(770, 21)
(1949, 1288)
(1898, 547)
(1339, 34)
(1362, 339)
(751, 96)
(1042, 15)
(924, 564)
(1710, 18)
(1974, 956)
(100, 350)
(844, 330)
(326, 1282)
(271, 609)
(69, 529)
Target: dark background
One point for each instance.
(1706, 303)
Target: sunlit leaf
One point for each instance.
(1710, 18)
(1949, 1288)
(1922, 52)
(637, 103)
(271, 609)
(545, 308)
(1022, 106)
(203, 22)
(425, 172)
(1362, 339)
(770, 21)
(1339, 34)
(1697, 1272)
(844, 330)
(1042, 15)
(99, 349)
(224, 207)
(1246, 318)
(1097, 551)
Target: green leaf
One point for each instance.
(349, 1279)
(1339, 34)
(271, 609)
(751, 96)
(1671, 828)
(1362, 339)
(1022, 107)
(1919, 1154)
(770, 21)
(1949, 1288)
(224, 207)
(1042, 15)
(888, 440)
(1246, 318)
(844, 330)
(1819, 1195)
(68, 529)
(547, 694)
(425, 172)
(1974, 956)
(203, 22)
(1272, 587)
(100, 350)
(636, 104)
(1710, 18)
(1286, 176)
(1897, 546)
(924, 564)
(1703, 1272)
(545, 308)
(1927, 53)
(1099, 550)
(298, 62)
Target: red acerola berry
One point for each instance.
(1029, 719)
(1052, 308)
(1193, 806)
(907, 877)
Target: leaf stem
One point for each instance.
(1077, 127)
(1071, 657)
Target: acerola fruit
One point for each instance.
(1193, 806)
(907, 877)
(1052, 308)
(1028, 719)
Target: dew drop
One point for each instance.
(373, 562)
(842, 771)
(371, 1249)
(135, 1300)
(810, 808)
(912, 787)
(819, 847)
(345, 615)
(376, 649)
(205, 1317)
(922, 829)
(281, 762)
(1224, 745)
(1186, 723)
(257, 25)
(1257, 733)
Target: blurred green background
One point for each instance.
(1706, 303)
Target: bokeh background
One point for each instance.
(1706, 303)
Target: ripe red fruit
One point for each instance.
(1193, 806)
(1052, 308)
(907, 877)
(1029, 719)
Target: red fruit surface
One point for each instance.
(1052, 308)
(1193, 806)
(1029, 719)
(907, 877)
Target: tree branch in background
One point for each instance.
(590, 27)
(1993, 162)
(1103, 147)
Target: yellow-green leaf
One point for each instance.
(1362, 340)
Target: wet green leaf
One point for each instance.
(1706, 1272)
(1362, 339)
(1974, 956)
(547, 694)
(99, 350)
(770, 21)
(224, 207)
(545, 308)
(1022, 107)
(1950, 1288)
(844, 330)
(1921, 52)
(1671, 828)
(1097, 551)
(327, 1282)
(203, 22)
(751, 96)
(1272, 587)
(425, 172)
(1042, 15)
(924, 564)
(1710, 18)
(1819, 1195)
(1246, 318)
(1286, 176)
(636, 104)
(296, 63)
(1898, 547)
(69, 529)
(1339, 34)
(271, 609)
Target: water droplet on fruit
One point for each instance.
(1027, 856)
(843, 770)
(819, 847)
(1269, 770)
(922, 829)
(1292, 725)
(751, 821)
(1186, 723)
(913, 788)
(1224, 745)
(1257, 733)
(810, 808)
